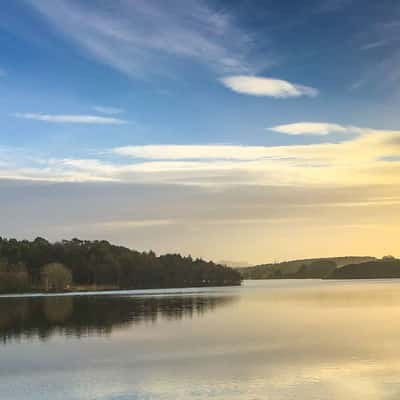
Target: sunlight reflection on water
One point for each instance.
(306, 340)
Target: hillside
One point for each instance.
(379, 269)
(306, 268)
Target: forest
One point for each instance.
(40, 265)
(387, 268)
(312, 268)
(351, 267)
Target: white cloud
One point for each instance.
(137, 37)
(370, 158)
(108, 110)
(259, 86)
(315, 128)
(71, 119)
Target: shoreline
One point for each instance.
(111, 291)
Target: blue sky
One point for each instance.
(206, 95)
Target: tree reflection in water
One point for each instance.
(79, 316)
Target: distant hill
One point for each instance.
(379, 269)
(306, 268)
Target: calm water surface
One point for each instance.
(322, 340)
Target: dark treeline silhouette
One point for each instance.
(301, 269)
(328, 268)
(315, 270)
(388, 267)
(80, 316)
(98, 263)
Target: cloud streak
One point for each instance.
(71, 119)
(372, 157)
(193, 152)
(269, 87)
(316, 128)
(374, 45)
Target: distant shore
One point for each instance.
(327, 268)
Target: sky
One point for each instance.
(243, 131)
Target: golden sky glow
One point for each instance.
(250, 203)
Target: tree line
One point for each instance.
(328, 268)
(39, 264)
(387, 268)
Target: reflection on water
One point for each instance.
(29, 317)
(343, 295)
(269, 340)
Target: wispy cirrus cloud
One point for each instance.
(380, 35)
(136, 37)
(270, 87)
(374, 45)
(316, 128)
(2, 72)
(108, 110)
(71, 119)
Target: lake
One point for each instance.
(277, 339)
